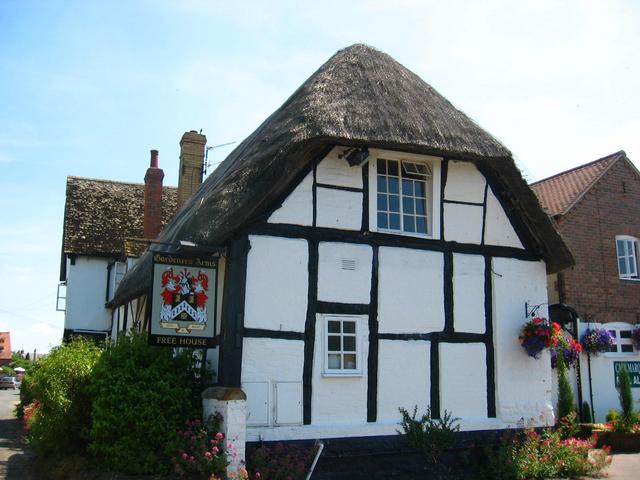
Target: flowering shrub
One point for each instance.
(201, 450)
(567, 348)
(548, 455)
(29, 413)
(596, 341)
(281, 462)
(539, 334)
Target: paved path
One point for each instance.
(624, 466)
(15, 462)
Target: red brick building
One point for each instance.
(597, 210)
(5, 348)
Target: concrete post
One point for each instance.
(231, 404)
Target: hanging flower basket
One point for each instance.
(596, 341)
(538, 334)
(635, 336)
(568, 349)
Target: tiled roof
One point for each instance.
(100, 214)
(559, 193)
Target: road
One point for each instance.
(14, 461)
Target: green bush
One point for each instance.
(141, 394)
(59, 383)
(566, 403)
(430, 435)
(586, 413)
(612, 415)
(624, 393)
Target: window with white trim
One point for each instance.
(342, 355)
(623, 341)
(627, 251)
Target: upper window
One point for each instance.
(627, 250)
(402, 193)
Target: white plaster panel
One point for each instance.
(338, 209)
(86, 287)
(339, 399)
(498, 229)
(463, 223)
(396, 387)
(276, 288)
(336, 171)
(464, 183)
(410, 291)
(297, 209)
(270, 359)
(521, 395)
(336, 284)
(463, 379)
(468, 293)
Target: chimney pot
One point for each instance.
(154, 159)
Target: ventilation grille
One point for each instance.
(348, 264)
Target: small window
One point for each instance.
(341, 345)
(627, 251)
(623, 341)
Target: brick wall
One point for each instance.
(592, 286)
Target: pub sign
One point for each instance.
(634, 372)
(183, 301)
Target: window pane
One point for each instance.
(394, 221)
(407, 205)
(334, 326)
(334, 361)
(349, 343)
(625, 333)
(419, 189)
(382, 166)
(394, 186)
(622, 265)
(407, 187)
(627, 347)
(409, 224)
(382, 184)
(334, 343)
(350, 361)
(383, 220)
(382, 202)
(620, 244)
(421, 225)
(419, 206)
(613, 333)
(349, 327)
(392, 168)
(394, 203)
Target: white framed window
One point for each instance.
(342, 345)
(621, 332)
(627, 252)
(404, 193)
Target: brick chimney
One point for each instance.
(153, 198)
(191, 165)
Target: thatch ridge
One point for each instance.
(360, 96)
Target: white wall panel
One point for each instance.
(277, 279)
(520, 395)
(498, 228)
(288, 407)
(410, 291)
(258, 404)
(399, 386)
(464, 183)
(337, 284)
(338, 209)
(336, 171)
(270, 359)
(297, 209)
(468, 293)
(339, 399)
(463, 379)
(463, 223)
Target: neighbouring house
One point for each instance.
(378, 251)
(5, 348)
(596, 208)
(107, 225)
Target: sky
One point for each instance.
(87, 88)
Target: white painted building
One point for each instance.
(379, 252)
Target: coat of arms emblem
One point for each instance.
(184, 300)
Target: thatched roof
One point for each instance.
(359, 97)
(100, 214)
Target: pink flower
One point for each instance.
(257, 475)
(215, 449)
(208, 454)
(229, 445)
(185, 456)
(219, 436)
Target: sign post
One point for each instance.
(183, 301)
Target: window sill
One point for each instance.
(628, 279)
(405, 234)
(342, 374)
(620, 354)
